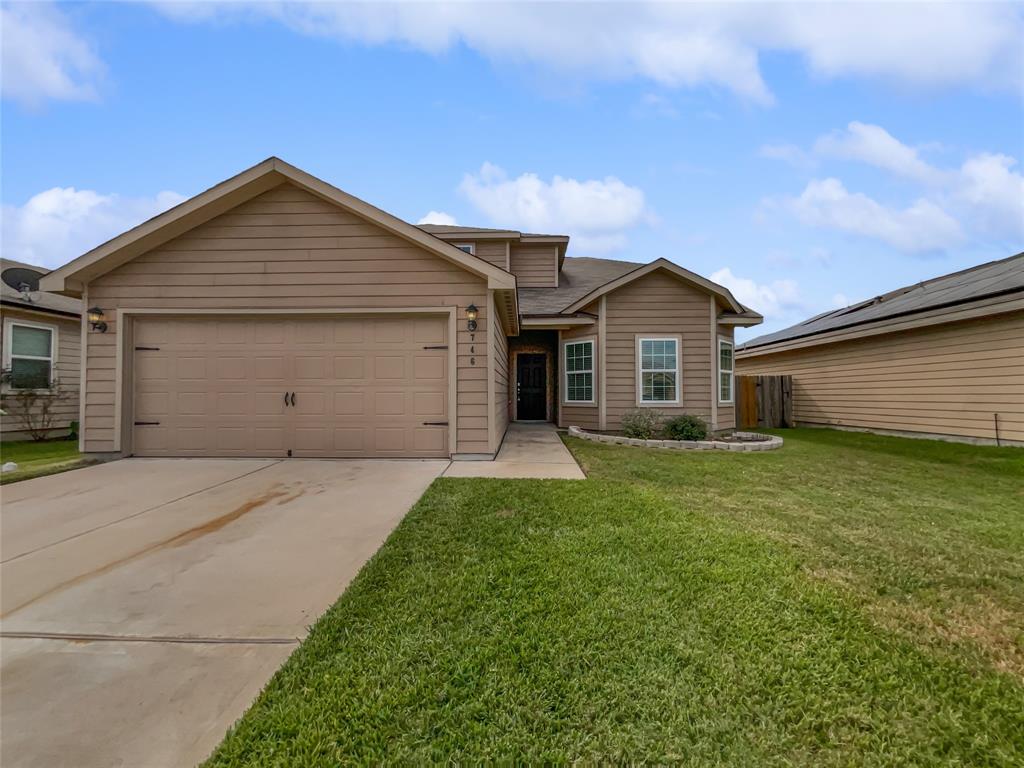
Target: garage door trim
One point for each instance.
(123, 376)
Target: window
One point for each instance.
(29, 350)
(579, 372)
(659, 370)
(467, 247)
(725, 369)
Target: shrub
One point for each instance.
(686, 427)
(643, 423)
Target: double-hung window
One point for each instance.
(29, 352)
(659, 370)
(467, 247)
(725, 370)
(579, 372)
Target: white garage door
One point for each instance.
(284, 386)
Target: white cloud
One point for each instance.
(875, 146)
(840, 300)
(985, 192)
(680, 45)
(596, 212)
(438, 217)
(62, 223)
(920, 228)
(43, 57)
(996, 193)
(774, 300)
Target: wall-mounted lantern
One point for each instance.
(471, 314)
(96, 320)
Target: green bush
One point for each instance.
(686, 427)
(643, 423)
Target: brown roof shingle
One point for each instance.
(579, 276)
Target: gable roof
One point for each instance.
(579, 276)
(41, 301)
(455, 233)
(674, 269)
(273, 171)
(995, 278)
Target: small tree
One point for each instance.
(35, 408)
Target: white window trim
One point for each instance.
(463, 246)
(593, 371)
(9, 324)
(732, 374)
(640, 372)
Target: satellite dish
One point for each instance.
(25, 281)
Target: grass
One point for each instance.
(847, 600)
(35, 459)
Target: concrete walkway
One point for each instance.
(529, 451)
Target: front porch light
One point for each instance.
(96, 320)
(471, 314)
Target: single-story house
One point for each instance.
(40, 344)
(276, 315)
(943, 358)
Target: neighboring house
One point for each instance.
(943, 358)
(275, 315)
(40, 345)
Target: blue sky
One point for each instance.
(806, 156)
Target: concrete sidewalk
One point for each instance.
(529, 451)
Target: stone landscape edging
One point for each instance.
(754, 442)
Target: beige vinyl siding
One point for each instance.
(501, 382)
(493, 251)
(69, 335)
(535, 266)
(578, 415)
(288, 249)
(947, 379)
(726, 413)
(658, 305)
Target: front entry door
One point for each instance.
(531, 387)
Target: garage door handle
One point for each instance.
(146, 423)
(437, 346)
(435, 423)
(293, 398)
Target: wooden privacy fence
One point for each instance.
(764, 401)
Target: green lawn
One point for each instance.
(35, 459)
(846, 600)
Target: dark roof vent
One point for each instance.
(19, 277)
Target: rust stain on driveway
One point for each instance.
(177, 540)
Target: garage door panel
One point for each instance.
(270, 368)
(389, 367)
(389, 404)
(363, 387)
(350, 368)
(430, 404)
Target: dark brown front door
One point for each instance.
(531, 387)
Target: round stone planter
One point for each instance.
(747, 441)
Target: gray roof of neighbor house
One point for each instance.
(41, 301)
(991, 279)
(579, 276)
(452, 229)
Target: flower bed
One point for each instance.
(738, 441)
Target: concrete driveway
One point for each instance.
(146, 602)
